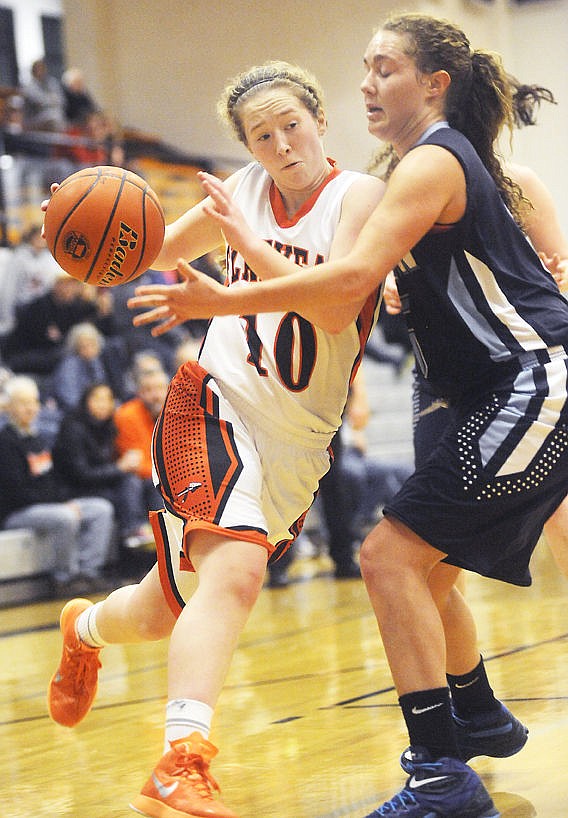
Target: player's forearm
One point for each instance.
(328, 286)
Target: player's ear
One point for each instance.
(322, 123)
(438, 83)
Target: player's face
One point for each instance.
(286, 139)
(395, 92)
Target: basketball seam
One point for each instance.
(143, 243)
(108, 224)
(73, 209)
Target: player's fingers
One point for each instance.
(154, 289)
(219, 199)
(208, 178)
(165, 326)
(151, 316)
(214, 186)
(187, 271)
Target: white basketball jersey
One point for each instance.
(277, 368)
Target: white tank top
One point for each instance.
(285, 373)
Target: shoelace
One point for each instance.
(403, 799)
(194, 767)
(82, 667)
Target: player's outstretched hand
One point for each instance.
(226, 213)
(169, 305)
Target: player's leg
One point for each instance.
(484, 726)
(396, 566)
(231, 575)
(132, 613)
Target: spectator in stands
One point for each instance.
(135, 421)
(79, 102)
(36, 343)
(13, 119)
(27, 271)
(96, 142)
(188, 350)
(44, 100)
(34, 496)
(86, 455)
(33, 267)
(85, 362)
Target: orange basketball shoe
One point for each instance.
(181, 784)
(73, 686)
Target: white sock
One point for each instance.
(186, 716)
(86, 627)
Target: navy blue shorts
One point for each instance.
(494, 474)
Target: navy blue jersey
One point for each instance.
(475, 295)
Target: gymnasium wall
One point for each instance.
(161, 66)
(27, 29)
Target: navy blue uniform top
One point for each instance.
(475, 295)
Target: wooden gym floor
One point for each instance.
(307, 724)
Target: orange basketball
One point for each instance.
(104, 226)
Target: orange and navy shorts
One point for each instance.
(218, 472)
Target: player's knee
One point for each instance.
(65, 522)
(246, 584)
(378, 565)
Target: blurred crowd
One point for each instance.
(76, 131)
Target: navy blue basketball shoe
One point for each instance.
(445, 788)
(496, 733)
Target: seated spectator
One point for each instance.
(135, 421)
(188, 350)
(44, 101)
(27, 271)
(144, 361)
(96, 143)
(37, 341)
(86, 455)
(79, 102)
(34, 496)
(8, 294)
(83, 364)
(33, 267)
(13, 114)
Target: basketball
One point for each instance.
(104, 226)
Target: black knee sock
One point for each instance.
(472, 693)
(429, 721)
